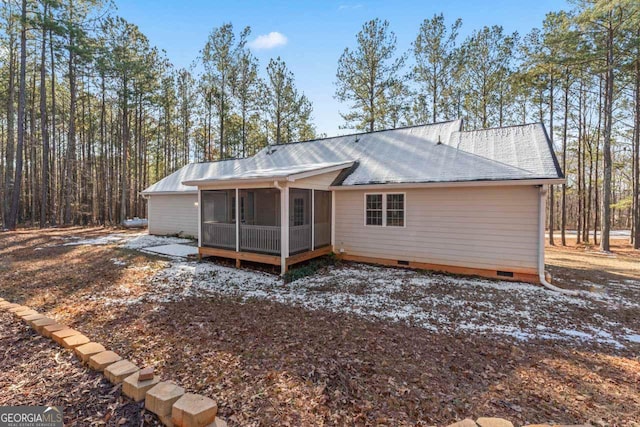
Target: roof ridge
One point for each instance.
(498, 128)
(362, 133)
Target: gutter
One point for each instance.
(444, 184)
(541, 237)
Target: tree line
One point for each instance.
(94, 113)
(579, 73)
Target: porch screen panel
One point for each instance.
(260, 220)
(322, 218)
(218, 219)
(299, 220)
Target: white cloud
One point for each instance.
(268, 41)
(350, 6)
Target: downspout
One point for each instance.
(541, 238)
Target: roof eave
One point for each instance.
(270, 178)
(167, 193)
(441, 184)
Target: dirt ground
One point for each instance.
(270, 363)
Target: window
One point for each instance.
(374, 209)
(385, 209)
(395, 210)
(298, 211)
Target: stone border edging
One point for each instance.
(170, 402)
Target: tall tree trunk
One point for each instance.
(606, 148)
(12, 220)
(70, 172)
(551, 189)
(125, 152)
(10, 150)
(636, 155)
(54, 175)
(563, 220)
(44, 194)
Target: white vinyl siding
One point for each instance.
(493, 228)
(173, 214)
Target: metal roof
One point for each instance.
(434, 153)
(291, 172)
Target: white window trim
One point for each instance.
(384, 209)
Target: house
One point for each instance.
(430, 197)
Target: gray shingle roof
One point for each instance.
(420, 154)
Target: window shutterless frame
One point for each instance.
(384, 209)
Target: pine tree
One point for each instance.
(366, 74)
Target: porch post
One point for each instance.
(313, 219)
(199, 217)
(333, 220)
(284, 228)
(238, 220)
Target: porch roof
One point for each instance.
(288, 173)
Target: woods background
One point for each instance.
(92, 113)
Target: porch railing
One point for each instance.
(299, 238)
(219, 234)
(260, 238)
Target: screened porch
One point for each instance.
(250, 220)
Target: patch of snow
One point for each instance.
(635, 338)
(97, 241)
(173, 250)
(117, 261)
(144, 240)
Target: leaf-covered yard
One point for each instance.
(353, 344)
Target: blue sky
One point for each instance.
(316, 32)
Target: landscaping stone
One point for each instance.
(58, 336)
(194, 410)
(22, 314)
(467, 422)
(218, 422)
(161, 397)
(85, 351)
(18, 308)
(74, 341)
(50, 329)
(145, 374)
(32, 317)
(38, 324)
(493, 422)
(100, 361)
(4, 305)
(118, 371)
(136, 389)
(26, 312)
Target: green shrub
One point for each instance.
(311, 267)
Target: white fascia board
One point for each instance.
(168, 193)
(320, 171)
(487, 183)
